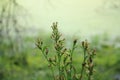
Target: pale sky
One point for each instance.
(86, 17)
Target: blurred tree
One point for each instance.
(112, 4)
(109, 5)
(11, 26)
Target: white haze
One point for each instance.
(75, 17)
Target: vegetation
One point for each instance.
(63, 59)
(33, 66)
(36, 67)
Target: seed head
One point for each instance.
(83, 43)
(75, 41)
(50, 60)
(93, 52)
(46, 51)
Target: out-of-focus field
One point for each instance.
(22, 20)
(29, 63)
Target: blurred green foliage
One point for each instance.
(28, 64)
(31, 64)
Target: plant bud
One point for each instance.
(90, 60)
(46, 51)
(83, 43)
(64, 51)
(75, 41)
(87, 71)
(91, 64)
(38, 46)
(86, 44)
(93, 52)
(49, 65)
(83, 64)
(50, 60)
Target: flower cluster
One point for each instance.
(63, 59)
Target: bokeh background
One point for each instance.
(22, 21)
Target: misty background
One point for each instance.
(81, 17)
(22, 22)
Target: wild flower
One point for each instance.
(63, 59)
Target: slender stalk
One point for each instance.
(71, 58)
(59, 60)
(71, 63)
(83, 64)
(89, 77)
(52, 71)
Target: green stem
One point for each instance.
(71, 61)
(90, 74)
(83, 64)
(49, 63)
(53, 73)
(89, 77)
(59, 67)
